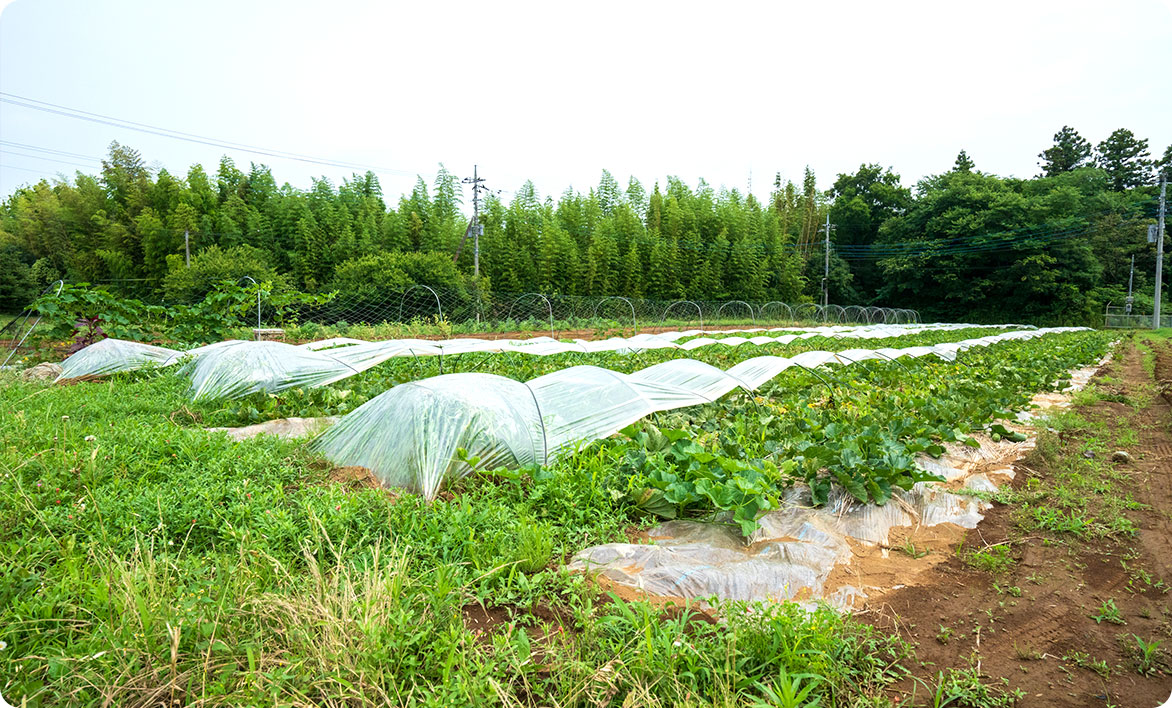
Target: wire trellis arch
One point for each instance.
(634, 320)
(548, 305)
(761, 312)
(699, 311)
(746, 305)
(439, 306)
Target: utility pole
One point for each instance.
(475, 180)
(826, 267)
(186, 250)
(1130, 280)
(1160, 251)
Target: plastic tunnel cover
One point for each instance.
(234, 369)
(111, 356)
(281, 366)
(409, 436)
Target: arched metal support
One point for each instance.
(776, 304)
(634, 321)
(683, 302)
(438, 306)
(856, 314)
(249, 277)
(748, 307)
(892, 359)
(808, 311)
(822, 379)
(548, 305)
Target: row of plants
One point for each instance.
(860, 431)
(348, 394)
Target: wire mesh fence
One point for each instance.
(424, 308)
(1119, 317)
(421, 311)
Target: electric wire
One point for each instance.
(79, 114)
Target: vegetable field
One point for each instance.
(155, 563)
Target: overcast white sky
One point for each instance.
(556, 92)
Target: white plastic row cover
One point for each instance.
(410, 436)
(237, 368)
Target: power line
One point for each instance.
(42, 157)
(78, 114)
(50, 151)
(24, 169)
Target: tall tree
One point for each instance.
(1125, 160)
(863, 202)
(1069, 151)
(963, 163)
(1165, 163)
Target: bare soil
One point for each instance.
(1033, 624)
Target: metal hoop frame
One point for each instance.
(778, 303)
(548, 306)
(634, 321)
(403, 297)
(683, 302)
(748, 307)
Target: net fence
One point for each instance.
(1121, 317)
(565, 315)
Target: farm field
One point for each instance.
(159, 564)
(380, 383)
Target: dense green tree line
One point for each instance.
(960, 245)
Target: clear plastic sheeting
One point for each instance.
(493, 418)
(791, 555)
(839, 553)
(237, 368)
(111, 356)
(234, 369)
(410, 435)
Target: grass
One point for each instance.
(1146, 656)
(994, 559)
(155, 562)
(967, 687)
(1082, 496)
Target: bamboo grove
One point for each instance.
(963, 244)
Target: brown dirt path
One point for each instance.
(1029, 626)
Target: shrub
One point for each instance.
(381, 275)
(212, 266)
(122, 318)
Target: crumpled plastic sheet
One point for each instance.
(410, 436)
(797, 547)
(237, 368)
